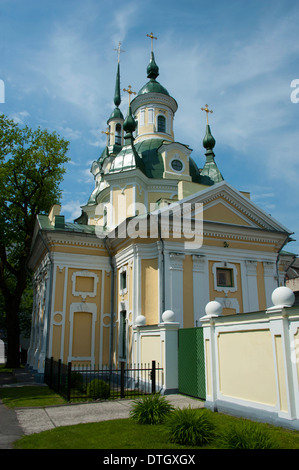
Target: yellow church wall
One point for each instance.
(82, 334)
(281, 374)
(150, 349)
(209, 240)
(56, 342)
(230, 295)
(168, 170)
(59, 288)
(154, 197)
(80, 327)
(150, 128)
(261, 286)
(149, 290)
(186, 188)
(188, 292)
(246, 366)
(220, 213)
(122, 201)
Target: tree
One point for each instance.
(31, 169)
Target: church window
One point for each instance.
(177, 165)
(123, 281)
(141, 117)
(161, 124)
(123, 335)
(105, 217)
(118, 134)
(150, 116)
(224, 277)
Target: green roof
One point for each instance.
(116, 114)
(153, 87)
(151, 157)
(68, 226)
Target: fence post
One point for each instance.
(58, 373)
(69, 378)
(153, 375)
(122, 380)
(51, 372)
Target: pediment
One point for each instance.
(225, 205)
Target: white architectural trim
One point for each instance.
(88, 308)
(84, 294)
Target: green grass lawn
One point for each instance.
(116, 434)
(126, 434)
(18, 397)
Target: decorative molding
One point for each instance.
(84, 294)
(176, 261)
(225, 265)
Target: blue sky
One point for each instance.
(58, 66)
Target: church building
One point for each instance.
(157, 234)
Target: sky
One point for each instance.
(58, 63)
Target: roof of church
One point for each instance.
(153, 87)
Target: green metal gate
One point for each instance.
(192, 362)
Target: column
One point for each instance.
(251, 275)
(201, 294)
(176, 286)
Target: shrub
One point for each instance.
(247, 435)
(151, 409)
(188, 426)
(77, 380)
(98, 389)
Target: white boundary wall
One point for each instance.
(252, 361)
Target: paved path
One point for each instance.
(17, 422)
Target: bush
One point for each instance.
(247, 435)
(98, 389)
(188, 426)
(151, 409)
(77, 381)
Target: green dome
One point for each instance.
(116, 114)
(153, 87)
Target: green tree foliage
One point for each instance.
(31, 170)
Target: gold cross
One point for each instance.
(130, 93)
(107, 134)
(119, 50)
(207, 110)
(152, 37)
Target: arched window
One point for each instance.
(161, 124)
(118, 134)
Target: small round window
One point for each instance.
(177, 165)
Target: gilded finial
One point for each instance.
(119, 51)
(207, 110)
(107, 134)
(152, 37)
(130, 92)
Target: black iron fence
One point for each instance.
(84, 382)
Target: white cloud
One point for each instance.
(20, 117)
(71, 209)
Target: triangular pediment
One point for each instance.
(225, 205)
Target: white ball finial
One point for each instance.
(140, 320)
(168, 316)
(213, 308)
(283, 297)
